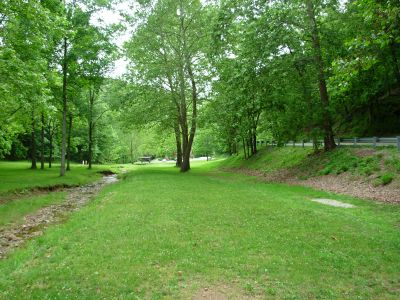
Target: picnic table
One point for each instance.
(145, 159)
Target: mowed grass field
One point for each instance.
(159, 234)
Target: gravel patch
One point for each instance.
(333, 203)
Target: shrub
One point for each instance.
(327, 170)
(341, 169)
(387, 178)
(393, 163)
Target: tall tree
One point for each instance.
(169, 53)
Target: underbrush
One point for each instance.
(343, 160)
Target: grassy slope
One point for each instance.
(270, 159)
(163, 235)
(376, 165)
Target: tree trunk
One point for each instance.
(186, 152)
(244, 148)
(131, 150)
(178, 145)
(254, 143)
(185, 166)
(91, 127)
(42, 144)
(33, 141)
(65, 108)
(69, 142)
(184, 123)
(315, 143)
(51, 132)
(234, 147)
(329, 142)
(50, 151)
(90, 154)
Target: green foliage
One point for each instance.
(345, 160)
(384, 179)
(393, 163)
(387, 178)
(339, 162)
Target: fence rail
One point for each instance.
(355, 141)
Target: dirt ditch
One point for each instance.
(34, 224)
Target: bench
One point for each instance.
(145, 159)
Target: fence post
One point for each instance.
(398, 143)
(355, 142)
(294, 144)
(302, 143)
(375, 140)
(338, 142)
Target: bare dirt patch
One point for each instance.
(365, 152)
(37, 191)
(34, 224)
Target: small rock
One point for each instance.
(11, 237)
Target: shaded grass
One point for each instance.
(160, 234)
(14, 211)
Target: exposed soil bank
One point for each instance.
(106, 173)
(17, 194)
(341, 184)
(35, 223)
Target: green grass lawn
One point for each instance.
(159, 234)
(14, 211)
(18, 176)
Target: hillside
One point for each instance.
(361, 172)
